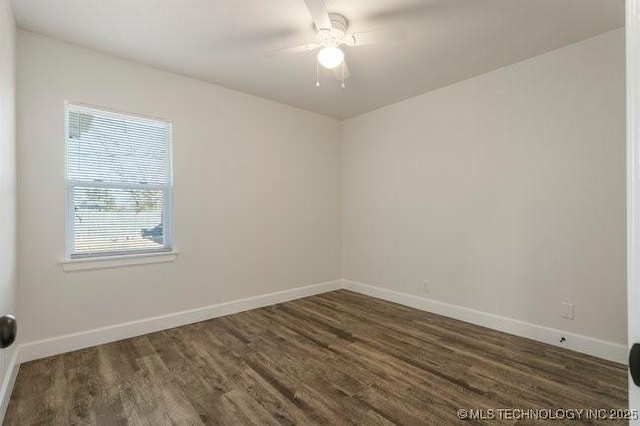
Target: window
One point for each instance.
(118, 183)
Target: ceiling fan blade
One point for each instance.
(416, 11)
(294, 49)
(375, 36)
(319, 13)
(337, 72)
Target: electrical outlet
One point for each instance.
(568, 310)
(426, 286)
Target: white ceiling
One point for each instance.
(223, 41)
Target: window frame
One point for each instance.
(70, 185)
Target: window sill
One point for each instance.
(87, 264)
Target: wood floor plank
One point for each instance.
(336, 358)
(408, 345)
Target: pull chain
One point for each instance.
(343, 86)
(317, 74)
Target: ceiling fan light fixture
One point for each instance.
(330, 57)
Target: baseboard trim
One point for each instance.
(588, 345)
(71, 342)
(9, 381)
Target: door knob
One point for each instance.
(8, 330)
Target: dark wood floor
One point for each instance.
(336, 358)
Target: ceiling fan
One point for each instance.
(331, 35)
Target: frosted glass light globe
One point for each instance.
(330, 57)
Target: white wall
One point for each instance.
(257, 193)
(505, 191)
(7, 175)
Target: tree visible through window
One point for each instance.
(119, 183)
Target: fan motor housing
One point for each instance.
(333, 37)
(339, 22)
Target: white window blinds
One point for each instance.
(118, 182)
